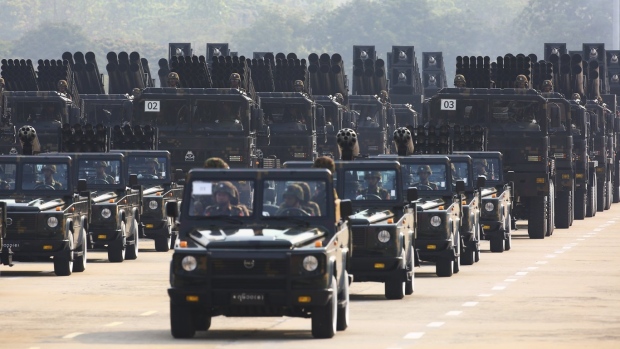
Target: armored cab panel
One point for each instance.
(217, 50)
(555, 49)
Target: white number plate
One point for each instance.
(11, 245)
(151, 106)
(448, 104)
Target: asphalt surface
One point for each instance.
(560, 292)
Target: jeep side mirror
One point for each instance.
(172, 209)
(133, 180)
(82, 187)
(481, 182)
(346, 209)
(412, 194)
(179, 176)
(460, 186)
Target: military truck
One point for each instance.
(195, 124)
(370, 116)
(585, 183)
(116, 201)
(159, 189)
(235, 260)
(6, 255)
(107, 110)
(602, 127)
(290, 121)
(520, 123)
(47, 211)
(331, 117)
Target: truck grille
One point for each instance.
(359, 238)
(249, 284)
(22, 223)
(254, 267)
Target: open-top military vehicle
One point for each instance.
(47, 211)
(238, 260)
(116, 204)
(154, 174)
(195, 124)
(495, 194)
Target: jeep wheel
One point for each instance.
(181, 322)
(508, 234)
(131, 252)
(457, 251)
(563, 208)
(444, 267)
(497, 244)
(64, 264)
(343, 304)
(468, 253)
(591, 207)
(162, 243)
(116, 249)
(411, 268)
(325, 318)
(551, 209)
(79, 262)
(581, 199)
(537, 222)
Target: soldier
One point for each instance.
(48, 181)
(153, 169)
(547, 86)
(235, 81)
(225, 192)
(339, 98)
(1, 84)
(63, 88)
(293, 197)
(101, 174)
(424, 172)
(216, 163)
(320, 195)
(521, 81)
(373, 189)
(307, 204)
(459, 81)
(136, 93)
(298, 86)
(173, 80)
(576, 97)
(480, 167)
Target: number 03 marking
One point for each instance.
(448, 104)
(151, 106)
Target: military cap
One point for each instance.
(1, 81)
(521, 81)
(576, 96)
(62, 83)
(325, 162)
(339, 98)
(173, 76)
(547, 83)
(480, 162)
(521, 78)
(306, 188)
(225, 187)
(298, 83)
(459, 78)
(372, 174)
(101, 164)
(235, 77)
(152, 160)
(424, 168)
(294, 190)
(52, 168)
(215, 163)
(135, 91)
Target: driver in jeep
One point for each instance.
(293, 197)
(373, 189)
(49, 182)
(225, 192)
(102, 177)
(424, 172)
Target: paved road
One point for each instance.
(561, 292)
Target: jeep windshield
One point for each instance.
(150, 169)
(99, 172)
(222, 200)
(7, 177)
(44, 177)
(425, 176)
(371, 185)
(295, 200)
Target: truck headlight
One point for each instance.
(52, 222)
(189, 263)
(310, 263)
(435, 221)
(106, 213)
(384, 236)
(153, 205)
(489, 206)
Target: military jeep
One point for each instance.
(265, 258)
(47, 211)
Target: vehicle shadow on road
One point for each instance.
(25, 273)
(366, 297)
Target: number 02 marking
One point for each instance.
(151, 106)
(448, 104)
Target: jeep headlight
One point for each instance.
(52, 222)
(153, 205)
(189, 263)
(384, 236)
(435, 221)
(106, 213)
(310, 263)
(489, 206)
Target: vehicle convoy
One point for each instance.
(47, 211)
(495, 196)
(154, 175)
(259, 259)
(115, 204)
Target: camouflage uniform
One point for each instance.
(297, 192)
(235, 81)
(547, 86)
(105, 177)
(480, 167)
(327, 163)
(215, 163)
(49, 182)
(226, 209)
(307, 204)
(63, 87)
(521, 81)
(174, 80)
(459, 81)
(381, 192)
(298, 86)
(426, 169)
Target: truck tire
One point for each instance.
(581, 199)
(608, 194)
(79, 262)
(343, 311)
(181, 321)
(457, 250)
(394, 288)
(508, 234)
(563, 209)
(601, 198)
(551, 209)
(409, 284)
(591, 203)
(444, 267)
(537, 223)
(132, 248)
(64, 264)
(468, 253)
(496, 245)
(325, 318)
(116, 249)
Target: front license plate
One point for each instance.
(11, 245)
(247, 298)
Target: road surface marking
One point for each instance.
(149, 313)
(470, 304)
(435, 324)
(559, 251)
(550, 256)
(72, 335)
(510, 280)
(485, 295)
(543, 262)
(597, 229)
(567, 247)
(581, 239)
(414, 335)
(454, 313)
(112, 324)
(498, 288)
(531, 268)
(521, 273)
